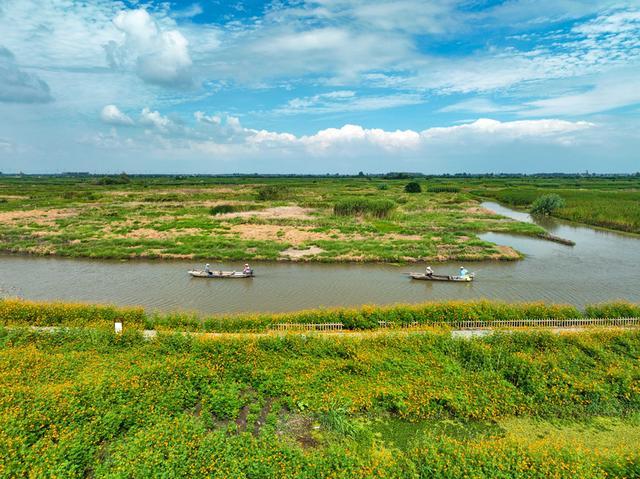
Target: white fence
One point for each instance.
(305, 327)
(466, 325)
(545, 323)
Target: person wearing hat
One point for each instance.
(463, 272)
(247, 269)
(429, 271)
(207, 269)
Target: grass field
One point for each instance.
(87, 403)
(295, 219)
(608, 203)
(246, 219)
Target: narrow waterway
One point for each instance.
(602, 266)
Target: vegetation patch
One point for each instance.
(362, 206)
(88, 403)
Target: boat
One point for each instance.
(442, 277)
(220, 274)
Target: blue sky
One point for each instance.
(322, 86)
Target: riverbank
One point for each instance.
(20, 313)
(89, 403)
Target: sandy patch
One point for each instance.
(147, 233)
(462, 239)
(45, 234)
(396, 236)
(43, 217)
(285, 234)
(480, 210)
(294, 253)
(295, 212)
(505, 252)
(13, 197)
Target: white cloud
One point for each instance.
(158, 56)
(18, 86)
(212, 119)
(477, 105)
(494, 130)
(614, 91)
(191, 11)
(154, 118)
(111, 114)
(346, 100)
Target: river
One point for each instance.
(602, 266)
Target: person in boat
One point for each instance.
(247, 269)
(429, 271)
(207, 269)
(463, 272)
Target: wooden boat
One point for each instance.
(220, 274)
(442, 277)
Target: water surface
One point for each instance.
(602, 266)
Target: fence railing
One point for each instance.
(305, 327)
(496, 324)
(545, 323)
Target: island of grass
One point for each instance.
(301, 219)
(81, 401)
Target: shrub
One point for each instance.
(546, 204)
(620, 309)
(360, 206)
(383, 186)
(271, 192)
(221, 209)
(413, 187)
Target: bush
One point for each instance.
(546, 204)
(271, 192)
(221, 209)
(413, 187)
(620, 309)
(383, 186)
(360, 206)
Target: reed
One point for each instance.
(364, 206)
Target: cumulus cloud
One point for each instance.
(155, 119)
(111, 114)
(352, 139)
(158, 56)
(495, 130)
(18, 86)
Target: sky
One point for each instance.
(324, 86)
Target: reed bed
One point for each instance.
(364, 206)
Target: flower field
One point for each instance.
(85, 402)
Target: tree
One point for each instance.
(412, 187)
(546, 204)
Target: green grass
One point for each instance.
(77, 217)
(87, 403)
(16, 312)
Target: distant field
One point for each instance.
(609, 203)
(353, 220)
(86, 403)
